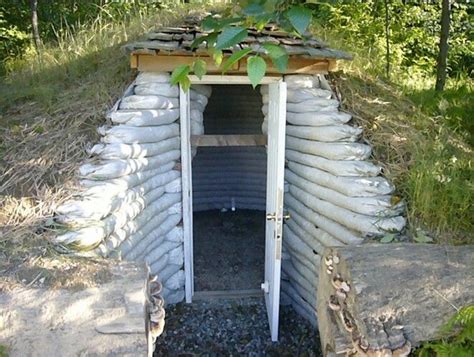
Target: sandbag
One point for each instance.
(150, 117)
(134, 151)
(173, 296)
(202, 89)
(313, 105)
(168, 271)
(152, 77)
(298, 81)
(175, 235)
(327, 133)
(196, 128)
(177, 208)
(318, 118)
(299, 95)
(195, 105)
(335, 167)
(159, 89)
(148, 102)
(158, 265)
(174, 186)
(296, 243)
(301, 306)
(335, 229)
(82, 239)
(146, 179)
(164, 248)
(379, 206)
(197, 116)
(116, 168)
(198, 97)
(331, 151)
(176, 281)
(147, 243)
(349, 186)
(294, 275)
(368, 226)
(131, 135)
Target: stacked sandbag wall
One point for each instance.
(335, 196)
(130, 206)
(227, 177)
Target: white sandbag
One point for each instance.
(331, 151)
(147, 243)
(301, 306)
(197, 116)
(314, 244)
(148, 102)
(320, 118)
(335, 167)
(134, 151)
(307, 228)
(265, 127)
(146, 180)
(174, 186)
(202, 89)
(298, 255)
(82, 239)
(131, 135)
(150, 117)
(308, 296)
(285, 300)
(298, 95)
(335, 229)
(198, 97)
(367, 225)
(379, 206)
(116, 168)
(176, 281)
(289, 269)
(160, 89)
(196, 128)
(309, 274)
(176, 234)
(349, 186)
(163, 249)
(152, 77)
(172, 297)
(195, 105)
(168, 271)
(158, 265)
(177, 208)
(327, 133)
(301, 81)
(297, 244)
(313, 105)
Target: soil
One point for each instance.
(234, 328)
(229, 249)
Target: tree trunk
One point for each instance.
(387, 40)
(34, 23)
(377, 299)
(443, 46)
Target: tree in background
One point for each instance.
(443, 46)
(34, 23)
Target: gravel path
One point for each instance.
(233, 328)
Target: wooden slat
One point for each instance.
(233, 79)
(228, 140)
(227, 294)
(167, 63)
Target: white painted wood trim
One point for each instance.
(187, 190)
(214, 79)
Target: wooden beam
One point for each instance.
(233, 79)
(167, 63)
(228, 140)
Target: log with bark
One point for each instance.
(385, 299)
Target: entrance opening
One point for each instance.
(229, 195)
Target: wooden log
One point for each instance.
(228, 140)
(384, 299)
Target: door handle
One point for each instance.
(272, 217)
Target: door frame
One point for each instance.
(186, 166)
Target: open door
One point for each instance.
(274, 210)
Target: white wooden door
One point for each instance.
(274, 211)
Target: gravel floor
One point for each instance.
(229, 249)
(233, 328)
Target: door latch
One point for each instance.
(273, 217)
(265, 287)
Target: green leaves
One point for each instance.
(388, 238)
(256, 68)
(237, 56)
(422, 238)
(180, 75)
(299, 17)
(278, 56)
(199, 68)
(230, 36)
